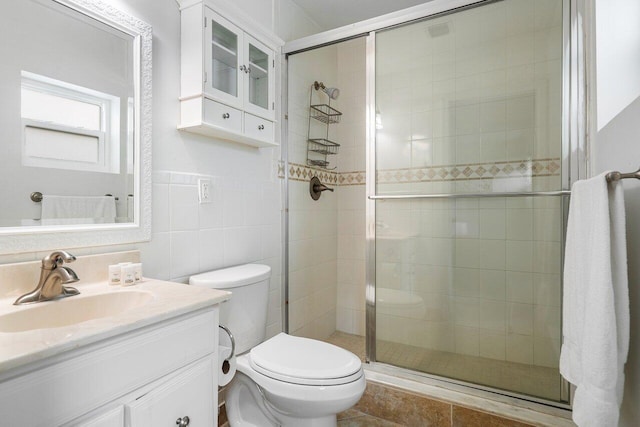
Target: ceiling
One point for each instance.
(336, 13)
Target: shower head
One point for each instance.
(332, 92)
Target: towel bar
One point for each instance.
(617, 176)
(36, 196)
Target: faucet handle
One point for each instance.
(56, 258)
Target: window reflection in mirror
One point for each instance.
(67, 110)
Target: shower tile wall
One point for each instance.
(471, 102)
(351, 192)
(313, 225)
(327, 280)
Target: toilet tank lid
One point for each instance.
(232, 277)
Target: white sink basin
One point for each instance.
(72, 310)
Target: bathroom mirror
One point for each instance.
(75, 115)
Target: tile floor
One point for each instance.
(354, 418)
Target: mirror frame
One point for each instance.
(32, 239)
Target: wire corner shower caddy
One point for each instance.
(319, 148)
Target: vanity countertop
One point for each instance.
(167, 300)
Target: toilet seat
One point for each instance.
(304, 361)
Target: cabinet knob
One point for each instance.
(226, 116)
(261, 127)
(183, 422)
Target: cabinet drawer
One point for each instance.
(255, 127)
(222, 116)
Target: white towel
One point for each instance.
(595, 302)
(101, 209)
(130, 208)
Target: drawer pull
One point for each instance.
(183, 422)
(261, 127)
(226, 116)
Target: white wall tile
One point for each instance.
(492, 254)
(547, 321)
(520, 348)
(519, 224)
(184, 259)
(520, 318)
(242, 245)
(493, 315)
(211, 249)
(493, 284)
(467, 341)
(492, 223)
(467, 253)
(184, 207)
(519, 255)
(161, 208)
(233, 212)
(520, 287)
(546, 352)
(492, 345)
(153, 256)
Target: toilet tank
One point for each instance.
(245, 314)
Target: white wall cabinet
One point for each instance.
(144, 378)
(228, 74)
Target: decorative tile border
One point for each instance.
(352, 178)
(471, 171)
(444, 173)
(299, 172)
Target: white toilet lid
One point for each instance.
(305, 361)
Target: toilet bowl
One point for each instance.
(285, 380)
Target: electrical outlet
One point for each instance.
(205, 191)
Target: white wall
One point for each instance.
(618, 63)
(617, 148)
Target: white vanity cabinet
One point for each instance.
(228, 74)
(147, 377)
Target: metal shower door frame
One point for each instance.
(575, 153)
(574, 160)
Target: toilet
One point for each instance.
(285, 380)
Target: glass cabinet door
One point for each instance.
(223, 62)
(258, 85)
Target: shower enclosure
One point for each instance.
(443, 242)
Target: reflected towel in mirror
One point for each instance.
(95, 209)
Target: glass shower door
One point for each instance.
(469, 196)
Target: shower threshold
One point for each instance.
(486, 379)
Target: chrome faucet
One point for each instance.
(53, 277)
